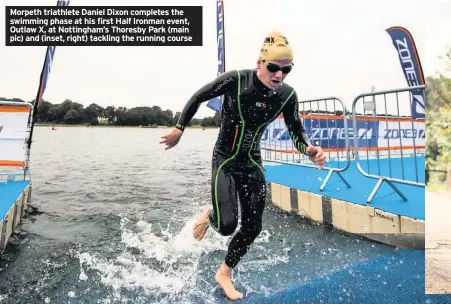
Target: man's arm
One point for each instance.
(297, 132)
(226, 82)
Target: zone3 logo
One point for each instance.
(261, 105)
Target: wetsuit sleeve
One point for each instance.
(297, 132)
(224, 83)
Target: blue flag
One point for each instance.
(49, 54)
(216, 103)
(47, 64)
(411, 65)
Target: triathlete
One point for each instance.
(252, 100)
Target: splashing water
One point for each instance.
(153, 262)
(163, 264)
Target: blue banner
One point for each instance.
(329, 134)
(47, 64)
(216, 103)
(411, 66)
(49, 54)
(46, 72)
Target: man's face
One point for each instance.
(270, 72)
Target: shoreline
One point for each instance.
(116, 126)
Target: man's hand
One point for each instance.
(172, 138)
(316, 155)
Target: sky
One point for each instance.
(341, 49)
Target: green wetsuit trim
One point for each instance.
(256, 133)
(234, 155)
(243, 124)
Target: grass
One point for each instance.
(436, 187)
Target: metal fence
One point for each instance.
(380, 135)
(326, 121)
(396, 146)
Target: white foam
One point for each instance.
(83, 276)
(263, 237)
(164, 262)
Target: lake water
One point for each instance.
(115, 212)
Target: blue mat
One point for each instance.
(9, 193)
(406, 168)
(397, 277)
(386, 199)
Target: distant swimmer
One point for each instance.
(252, 100)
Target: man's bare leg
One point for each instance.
(223, 278)
(201, 225)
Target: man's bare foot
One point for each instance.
(201, 225)
(223, 278)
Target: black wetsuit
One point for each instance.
(237, 171)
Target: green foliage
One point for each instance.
(438, 120)
(69, 112)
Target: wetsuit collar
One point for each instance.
(259, 85)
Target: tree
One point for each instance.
(43, 110)
(121, 116)
(110, 114)
(438, 120)
(70, 112)
(56, 113)
(11, 99)
(93, 111)
(72, 117)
